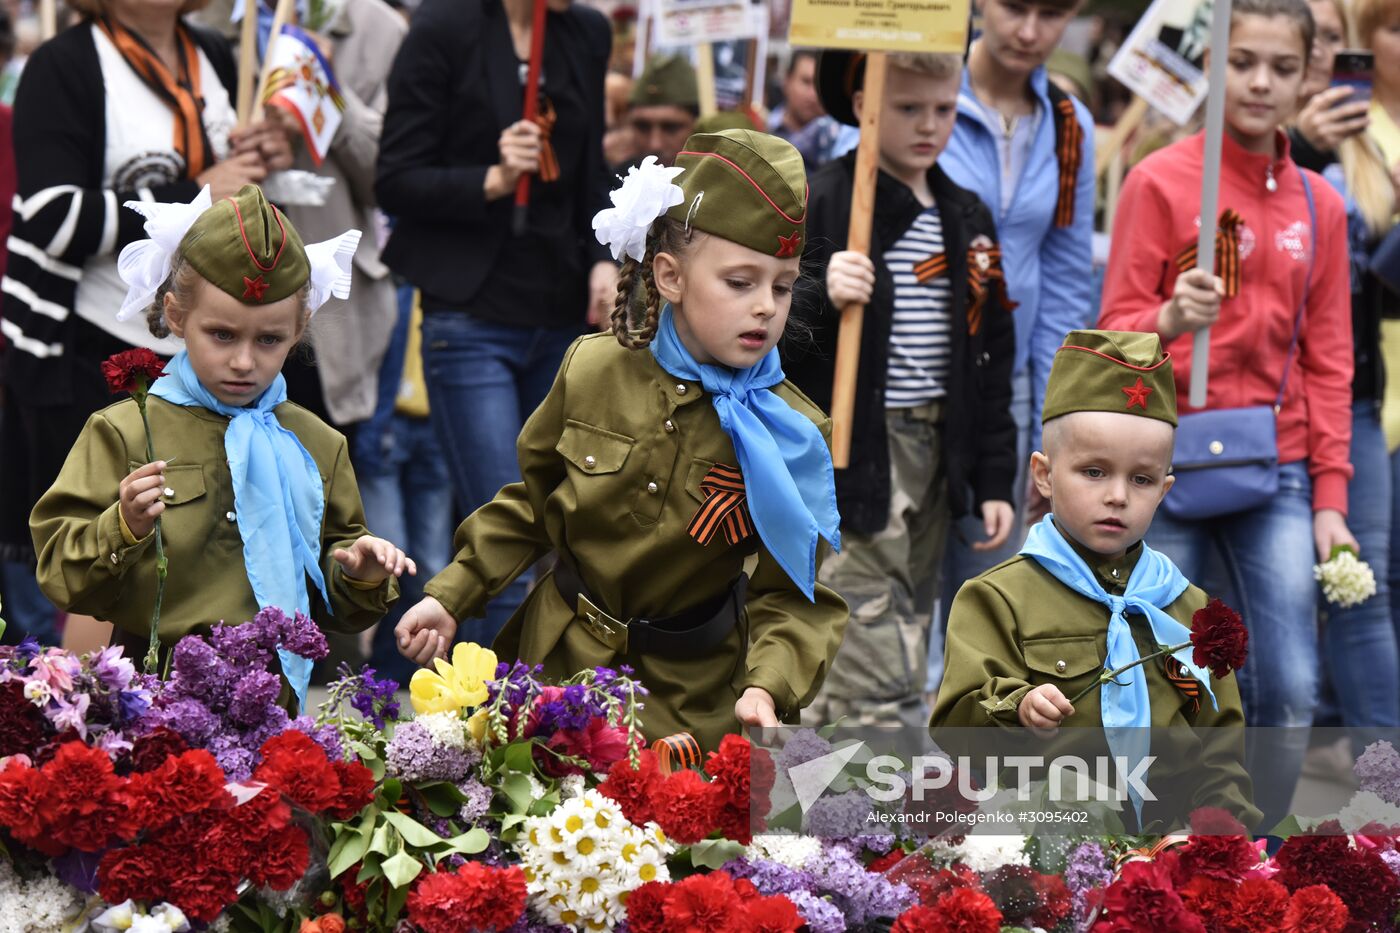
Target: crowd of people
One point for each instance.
(448, 365)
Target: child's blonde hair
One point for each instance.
(937, 65)
(183, 282)
(667, 235)
(1363, 165)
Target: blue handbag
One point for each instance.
(1226, 460)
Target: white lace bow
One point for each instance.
(647, 192)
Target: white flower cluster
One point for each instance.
(36, 906)
(983, 853)
(1366, 807)
(581, 861)
(446, 729)
(786, 849)
(1346, 579)
(163, 918)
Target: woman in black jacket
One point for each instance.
(131, 103)
(499, 309)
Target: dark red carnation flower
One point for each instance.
(299, 769)
(1143, 899)
(644, 908)
(150, 750)
(1014, 890)
(1259, 905)
(887, 861)
(775, 914)
(475, 897)
(1216, 821)
(1367, 886)
(186, 783)
(962, 910)
(355, 894)
(1305, 860)
(737, 823)
(686, 807)
(917, 919)
(1057, 900)
(202, 891)
(632, 788)
(24, 811)
(130, 873)
(1225, 857)
(729, 769)
(745, 889)
(1315, 909)
(703, 903)
(356, 790)
(88, 805)
(930, 886)
(1210, 899)
(281, 860)
(247, 825)
(598, 744)
(1219, 639)
(132, 370)
(22, 726)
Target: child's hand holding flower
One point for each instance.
(140, 498)
(372, 559)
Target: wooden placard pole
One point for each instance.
(705, 77)
(247, 60)
(48, 19)
(843, 392)
(1210, 186)
(531, 110)
(285, 12)
(1117, 136)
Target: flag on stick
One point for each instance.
(301, 82)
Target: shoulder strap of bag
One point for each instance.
(1307, 287)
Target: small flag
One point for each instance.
(301, 82)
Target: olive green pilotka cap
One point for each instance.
(248, 248)
(666, 80)
(1111, 370)
(747, 187)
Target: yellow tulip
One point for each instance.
(456, 686)
(476, 727)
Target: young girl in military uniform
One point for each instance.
(256, 495)
(663, 457)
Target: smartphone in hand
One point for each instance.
(1354, 68)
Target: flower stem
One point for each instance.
(153, 651)
(1107, 676)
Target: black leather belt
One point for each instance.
(693, 631)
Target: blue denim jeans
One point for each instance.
(1359, 643)
(484, 380)
(408, 500)
(27, 611)
(1268, 554)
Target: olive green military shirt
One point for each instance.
(86, 565)
(1016, 627)
(611, 465)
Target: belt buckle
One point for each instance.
(603, 626)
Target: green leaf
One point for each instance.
(470, 842)
(401, 869)
(520, 757)
(713, 853)
(512, 819)
(414, 833)
(393, 906)
(1288, 826)
(380, 842)
(443, 799)
(365, 752)
(349, 849)
(369, 869)
(516, 787)
(545, 805)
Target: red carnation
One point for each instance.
(703, 903)
(150, 751)
(1219, 639)
(775, 914)
(281, 860)
(930, 886)
(1216, 821)
(887, 861)
(185, 784)
(1303, 860)
(1259, 905)
(88, 804)
(1315, 909)
(356, 790)
(23, 809)
(644, 907)
(248, 824)
(729, 769)
(1014, 891)
(474, 897)
(1143, 899)
(204, 892)
(130, 873)
(598, 743)
(959, 911)
(1057, 901)
(632, 788)
(1225, 857)
(686, 807)
(295, 765)
(1367, 886)
(21, 723)
(132, 370)
(1210, 899)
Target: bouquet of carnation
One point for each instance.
(1346, 579)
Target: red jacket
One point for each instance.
(1158, 216)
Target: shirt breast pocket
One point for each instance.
(597, 458)
(185, 485)
(1061, 660)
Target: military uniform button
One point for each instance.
(1114, 571)
(670, 426)
(230, 516)
(169, 492)
(590, 462)
(652, 488)
(682, 389)
(115, 558)
(1060, 667)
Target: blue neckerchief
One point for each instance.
(788, 478)
(1154, 584)
(279, 509)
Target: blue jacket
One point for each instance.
(1049, 270)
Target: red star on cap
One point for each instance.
(254, 289)
(1137, 394)
(787, 245)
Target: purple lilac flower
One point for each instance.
(861, 895)
(302, 636)
(821, 915)
(1378, 771)
(770, 877)
(256, 691)
(327, 736)
(478, 800)
(197, 667)
(803, 746)
(1086, 870)
(839, 816)
(1392, 860)
(413, 756)
(243, 646)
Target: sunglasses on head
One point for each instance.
(647, 127)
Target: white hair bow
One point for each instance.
(145, 265)
(647, 192)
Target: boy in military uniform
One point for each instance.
(1085, 593)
